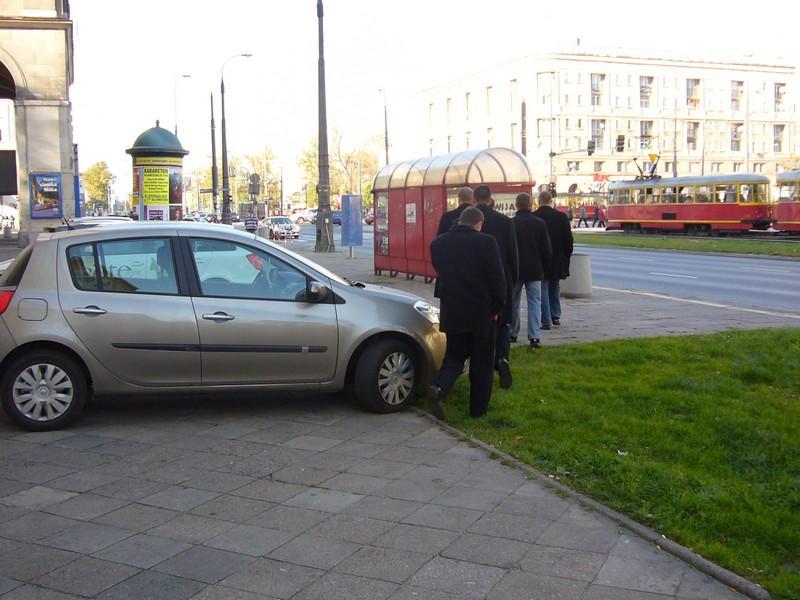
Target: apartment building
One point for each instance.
(587, 117)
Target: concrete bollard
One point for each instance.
(579, 282)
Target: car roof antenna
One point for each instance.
(66, 222)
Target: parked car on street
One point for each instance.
(280, 228)
(336, 217)
(369, 218)
(308, 215)
(180, 307)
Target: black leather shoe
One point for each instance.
(545, 327)
(535, 343)
(504, 370)
(435, 397)
(556, 321)
(513, 339)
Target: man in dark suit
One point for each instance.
(501, 228)
(560, 231)
(472, 293)
(450, 218)
(535, 254)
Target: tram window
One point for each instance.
(725, 193)
(686, 194)
(668, 196)
(788, 192)
(657, 195)
(703, 193)
(759, 192)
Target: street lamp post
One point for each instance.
(226, 198)
(175, 96)
(552, 152)
(385, 126)
(325, 241)
(214, 177)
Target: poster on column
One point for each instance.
(155, 193)
(45, 190)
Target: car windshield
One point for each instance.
(281, 220)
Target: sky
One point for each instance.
(129, 58)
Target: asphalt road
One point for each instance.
(764, 283)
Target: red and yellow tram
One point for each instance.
(787, 210)
(708, 204)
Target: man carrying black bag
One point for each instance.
(472, 291)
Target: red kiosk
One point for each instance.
(411, 197)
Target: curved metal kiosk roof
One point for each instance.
(472, 167)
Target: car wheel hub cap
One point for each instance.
(396, 378)
(42, 392)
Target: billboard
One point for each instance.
(45, 191)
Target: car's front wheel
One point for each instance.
(44, 390)
(386, 376)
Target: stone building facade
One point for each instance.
(36, 70)
(582, 116)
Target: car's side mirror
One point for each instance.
(316, 292)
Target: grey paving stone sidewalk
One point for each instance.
(162, 499)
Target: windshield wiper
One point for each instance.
(357, 284)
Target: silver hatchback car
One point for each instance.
(149, 308)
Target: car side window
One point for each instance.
(228, 269)
(144, 266)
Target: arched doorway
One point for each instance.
(9, 214)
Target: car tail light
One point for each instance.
(5, 299)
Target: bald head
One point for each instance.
(523, 201)
(465, 195)
(545, 199)
(472, 217)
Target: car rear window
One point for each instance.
(13, 275)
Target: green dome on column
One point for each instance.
(158, 141)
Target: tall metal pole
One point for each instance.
(675, 140)
(281, 190)
(214, 178)
(385, 126)
(325, 241)
(747, 128)
(175, 96)
(226, 197)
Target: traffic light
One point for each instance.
(620, 143)
(590, 147)
(552, 189)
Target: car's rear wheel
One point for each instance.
(44, 390)
(386, 376)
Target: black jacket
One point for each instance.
(450, 218)
(533, 242)
(470, 275)
(501, 228)
(560, 231)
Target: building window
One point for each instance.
(468, 140)
(645, 91)
(616, 101)
(692, 129)
(580, 123)
(758, 167)
(737, 93)
(566, 123)
(621, 166)
(512, 92)
(692, 93)
(566, 98)
(780, 97)
(598, 132)
(598, 81)
(489, 137)
(645, 133)
(580, 100)
(573, 166)
(694, 168)
(430, 114)
(449, 109)
(737, 167)
(488, 100)
(777, 138)
(716, 167)
(736, 136)
(513, 136)
(598, 166)
(466, 105)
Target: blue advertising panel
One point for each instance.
(45, 189)
(352, 221)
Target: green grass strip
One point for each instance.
(723, 245)
(696, 436)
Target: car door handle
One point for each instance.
(89, 310)
(218, 316)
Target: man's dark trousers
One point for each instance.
(478, 346)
